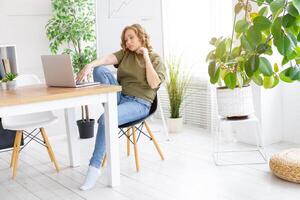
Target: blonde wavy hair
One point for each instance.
(141, 34)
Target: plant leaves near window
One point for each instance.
(245, 56)
(262, 23)
(296, 3)
(230, 80)
(265, 66)
(251, 65)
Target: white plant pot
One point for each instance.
(11, 85)
(2, 86)
(235, 103)
(175, 125)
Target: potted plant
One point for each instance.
(176, 85)
(245, 56)
(72, 28)
(2, 84)
(10, 81)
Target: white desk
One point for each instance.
(39, 98)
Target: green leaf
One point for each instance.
(276, 80)
(296, 3)
(254, 35)
(262, 48)
(283, 44)
(215, 79)
(221, 49)
(251, 65)
(268, 81)
(260, 2)
(284, 60)
(246, 44)
(212, 69)
(298, 37)
(265, 66)
(230, 80)
(241, 26)
(283, 76)
(257, 78)
(263, 11)
(262, 23)
(276, 28)
(277, 5)
(276, 68)
(288, 20)
(293, 73)
(292, 39)
(236, 51)
(292, 10)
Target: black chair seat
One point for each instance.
(133, 123)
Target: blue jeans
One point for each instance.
(129, 108)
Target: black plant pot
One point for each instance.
(86, 128)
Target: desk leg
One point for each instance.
(112, 141)
(72, 137)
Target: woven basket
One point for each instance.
(286, 165)
(235, 103)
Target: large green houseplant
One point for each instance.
(71, 30)
(176, 85)
(245, 56)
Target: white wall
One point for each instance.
(23, 24)
(114, 15)
(291, 112)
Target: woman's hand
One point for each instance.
(83, 74)
(143, 51)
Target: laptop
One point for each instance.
(58, 71)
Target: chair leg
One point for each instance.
(154, 141)
(49, 148)
(13, 153)
(104, 161)
(128, 141)
(17, 152)
(136, 156)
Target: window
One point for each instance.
(188, 26)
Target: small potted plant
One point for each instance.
(2, 84)
(176, 84)
(245, 56)
(10, 81)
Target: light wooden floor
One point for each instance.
(187, 173)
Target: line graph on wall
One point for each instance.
(128, 9)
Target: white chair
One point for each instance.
(33, 121)
(219, 152)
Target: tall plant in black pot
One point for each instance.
(71, 30)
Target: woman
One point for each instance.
(140, 72)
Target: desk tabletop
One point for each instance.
(40, 93)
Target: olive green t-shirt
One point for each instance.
(131, 74)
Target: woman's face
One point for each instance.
(131, 40)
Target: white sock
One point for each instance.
(91, 178)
